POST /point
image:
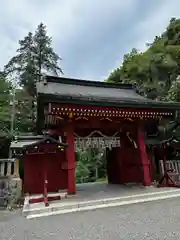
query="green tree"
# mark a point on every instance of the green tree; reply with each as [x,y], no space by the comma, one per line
[45,57]
[5,109]
[91,165]
[83,166]
[23,64]
[155,72]
[35,55]
[17,111]
[25,112]
[174,91]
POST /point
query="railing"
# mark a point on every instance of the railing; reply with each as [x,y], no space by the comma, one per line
[9,168]
[172,165]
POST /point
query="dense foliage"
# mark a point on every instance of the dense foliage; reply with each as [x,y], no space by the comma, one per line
[5,115]
[91,165]
[156,71]
[34,56]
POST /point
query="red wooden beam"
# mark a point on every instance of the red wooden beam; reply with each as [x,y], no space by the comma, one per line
[57,107]
[41,199]
[45,184]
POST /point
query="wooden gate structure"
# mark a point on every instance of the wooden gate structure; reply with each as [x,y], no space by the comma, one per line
[69,108]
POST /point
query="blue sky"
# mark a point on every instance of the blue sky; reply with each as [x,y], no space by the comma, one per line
[91,36]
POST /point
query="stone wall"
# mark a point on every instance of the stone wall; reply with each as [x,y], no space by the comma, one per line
[4,192]
[15,192]
[10,183]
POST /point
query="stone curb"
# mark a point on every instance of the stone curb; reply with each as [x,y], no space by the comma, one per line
[96,202]
[26,207]
[103,203]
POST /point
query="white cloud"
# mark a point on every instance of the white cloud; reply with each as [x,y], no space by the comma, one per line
[90,36]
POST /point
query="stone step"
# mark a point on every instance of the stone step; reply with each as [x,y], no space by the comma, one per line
[68,207]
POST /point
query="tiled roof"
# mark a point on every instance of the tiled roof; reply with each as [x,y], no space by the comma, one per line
[89,90]
[94,91]
[25,142]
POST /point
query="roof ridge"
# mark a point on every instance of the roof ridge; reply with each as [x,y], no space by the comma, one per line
[79,82]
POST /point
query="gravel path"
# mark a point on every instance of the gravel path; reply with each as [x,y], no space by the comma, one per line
[149,221]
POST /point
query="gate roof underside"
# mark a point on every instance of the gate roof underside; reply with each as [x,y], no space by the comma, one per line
[66,90]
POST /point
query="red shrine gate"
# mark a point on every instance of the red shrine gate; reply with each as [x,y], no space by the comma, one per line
[76,108]
[126,162]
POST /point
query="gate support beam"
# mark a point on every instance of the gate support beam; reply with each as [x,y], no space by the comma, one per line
[70,156]
[143,157]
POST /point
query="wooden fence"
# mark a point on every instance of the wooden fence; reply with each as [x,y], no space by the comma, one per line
[172,165]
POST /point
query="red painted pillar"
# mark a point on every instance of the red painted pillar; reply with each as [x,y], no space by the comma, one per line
[143,157]
[45,183]
[70,156]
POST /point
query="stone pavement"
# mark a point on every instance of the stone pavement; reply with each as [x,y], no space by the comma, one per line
[157,220]
[95,196]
